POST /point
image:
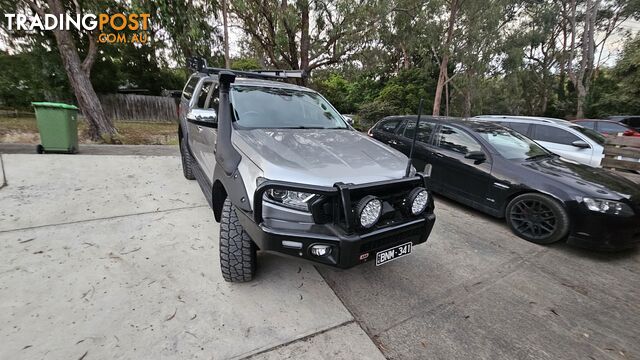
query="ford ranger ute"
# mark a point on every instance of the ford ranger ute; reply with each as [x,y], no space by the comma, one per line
[284,172]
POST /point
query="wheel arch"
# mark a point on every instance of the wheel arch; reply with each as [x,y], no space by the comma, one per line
[515,194]
[219,195]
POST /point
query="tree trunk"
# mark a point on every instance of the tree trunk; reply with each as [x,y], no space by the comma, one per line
[78,72]
[225,26]
[444,62]
[305,41]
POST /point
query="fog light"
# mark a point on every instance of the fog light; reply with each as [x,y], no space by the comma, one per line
[369,210]
[320,250]
[418,200]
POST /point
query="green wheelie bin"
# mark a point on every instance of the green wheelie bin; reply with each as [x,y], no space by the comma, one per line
[58,126]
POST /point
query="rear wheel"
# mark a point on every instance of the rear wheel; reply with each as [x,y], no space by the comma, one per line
[187,160]
[238,260]
[537,218]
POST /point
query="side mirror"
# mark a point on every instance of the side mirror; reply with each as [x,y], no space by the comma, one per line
[203,115]
[580,144]
[348,120]
[177,94]
[478,156]
[628,133]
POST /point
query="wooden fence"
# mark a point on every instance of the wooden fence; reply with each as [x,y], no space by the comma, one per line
[622,153]
[132,107]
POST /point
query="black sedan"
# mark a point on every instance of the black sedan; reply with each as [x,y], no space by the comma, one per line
[496,170]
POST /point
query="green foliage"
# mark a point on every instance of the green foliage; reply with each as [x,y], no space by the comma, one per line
[244,63]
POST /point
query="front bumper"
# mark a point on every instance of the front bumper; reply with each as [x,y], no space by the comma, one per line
[350,245]
[603,232]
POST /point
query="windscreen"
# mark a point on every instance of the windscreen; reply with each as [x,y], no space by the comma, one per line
[269,107]
[511,144]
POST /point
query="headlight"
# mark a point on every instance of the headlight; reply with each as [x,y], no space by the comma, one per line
[607,206]
[293,199]
[369,210]
[418,200]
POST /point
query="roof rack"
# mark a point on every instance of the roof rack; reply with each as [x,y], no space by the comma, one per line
[200,65]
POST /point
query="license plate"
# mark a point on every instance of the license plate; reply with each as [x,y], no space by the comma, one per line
[393,253]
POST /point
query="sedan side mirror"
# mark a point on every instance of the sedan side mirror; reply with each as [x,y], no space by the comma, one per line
[478,156]
[629,133]
[581,144]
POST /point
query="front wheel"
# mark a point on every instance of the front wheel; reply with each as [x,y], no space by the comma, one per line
[238,258]
[537,218]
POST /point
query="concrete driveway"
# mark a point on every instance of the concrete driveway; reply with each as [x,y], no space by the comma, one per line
[116,257]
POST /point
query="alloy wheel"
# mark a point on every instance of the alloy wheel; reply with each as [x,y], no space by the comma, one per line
[533,219]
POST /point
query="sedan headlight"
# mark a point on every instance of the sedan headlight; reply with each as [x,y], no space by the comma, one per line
[293,199]
[607,206]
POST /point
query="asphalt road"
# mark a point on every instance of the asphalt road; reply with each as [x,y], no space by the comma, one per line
[475,291]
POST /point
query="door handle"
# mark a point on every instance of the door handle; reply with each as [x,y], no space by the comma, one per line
[199,128]
[393,142]
[438,154]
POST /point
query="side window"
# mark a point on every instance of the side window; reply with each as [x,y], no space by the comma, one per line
[522,128]
[187,92]
[389,126]
[588,124]
[634,122]
[610,128]
[204,93]
[452,139]
[424,133]
[214,99]
[553,135]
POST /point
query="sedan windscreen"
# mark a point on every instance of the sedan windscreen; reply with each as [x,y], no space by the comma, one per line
[511,144]
[268,107]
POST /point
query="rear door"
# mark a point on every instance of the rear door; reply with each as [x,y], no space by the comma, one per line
[424,151]
[559,141]
[463,179]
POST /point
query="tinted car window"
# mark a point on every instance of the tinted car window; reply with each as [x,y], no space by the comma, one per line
[424,133]
[522,128]
[389,126]
[511,144]
[453,139]
[610,128]
[204,92]
[588,124]
[633,122]
[188,89]
[553,135]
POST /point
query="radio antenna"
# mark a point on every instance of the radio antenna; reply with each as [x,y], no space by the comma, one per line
[415,135]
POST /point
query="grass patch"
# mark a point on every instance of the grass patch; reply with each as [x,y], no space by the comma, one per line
[25,130]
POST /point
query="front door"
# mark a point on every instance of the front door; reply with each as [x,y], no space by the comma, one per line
[463,179]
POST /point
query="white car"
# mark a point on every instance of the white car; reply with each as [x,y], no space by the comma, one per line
[564,138]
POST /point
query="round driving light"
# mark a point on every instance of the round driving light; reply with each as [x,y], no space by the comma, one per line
[369,210]
[419,198]
[320,250]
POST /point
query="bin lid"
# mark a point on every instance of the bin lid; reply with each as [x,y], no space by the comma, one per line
[54,105]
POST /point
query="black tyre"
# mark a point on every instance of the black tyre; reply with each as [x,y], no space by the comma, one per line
[187,160]
[537,218]
[40,149]
[238,258]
